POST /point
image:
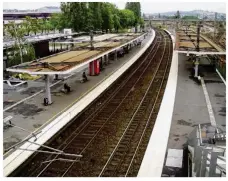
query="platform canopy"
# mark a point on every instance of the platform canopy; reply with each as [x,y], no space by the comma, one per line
[68,61]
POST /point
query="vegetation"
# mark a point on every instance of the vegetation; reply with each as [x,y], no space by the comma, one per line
[190,18]
[84,16]
[25,76]
[178,15]
[22,51]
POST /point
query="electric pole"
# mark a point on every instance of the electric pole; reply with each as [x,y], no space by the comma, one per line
[215,24]
[91,40]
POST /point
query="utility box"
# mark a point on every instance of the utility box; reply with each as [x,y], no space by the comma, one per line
[97,67]
[94,68]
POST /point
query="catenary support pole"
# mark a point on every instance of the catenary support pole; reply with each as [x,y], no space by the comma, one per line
[48,89]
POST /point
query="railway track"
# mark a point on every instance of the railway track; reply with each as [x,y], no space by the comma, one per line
[113,132]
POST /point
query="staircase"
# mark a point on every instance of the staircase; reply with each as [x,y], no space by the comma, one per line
[207,152]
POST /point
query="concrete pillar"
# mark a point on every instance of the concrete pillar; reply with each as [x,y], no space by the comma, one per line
[47,87]
[115,56]
[196,67]
[107,59]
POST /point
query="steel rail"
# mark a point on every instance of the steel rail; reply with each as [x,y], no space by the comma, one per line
[86,122]
[112,112]
[135,113]
[149,116]
[103,106]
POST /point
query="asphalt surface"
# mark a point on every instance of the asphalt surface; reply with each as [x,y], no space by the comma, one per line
[32,114]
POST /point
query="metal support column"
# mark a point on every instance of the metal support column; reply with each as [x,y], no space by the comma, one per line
[107,59]
[47,87]
[197,49]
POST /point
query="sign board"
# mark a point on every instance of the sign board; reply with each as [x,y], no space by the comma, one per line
[67,31]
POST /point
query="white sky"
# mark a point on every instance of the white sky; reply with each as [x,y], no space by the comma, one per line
[147,6]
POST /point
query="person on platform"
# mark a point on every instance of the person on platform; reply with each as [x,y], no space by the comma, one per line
[67,87]
[84,77]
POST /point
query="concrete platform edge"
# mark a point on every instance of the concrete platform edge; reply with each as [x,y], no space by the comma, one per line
[152,164]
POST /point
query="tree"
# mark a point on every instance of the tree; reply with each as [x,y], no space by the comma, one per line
[22,50]
[84,16]
[107,21]
[95,10]
[127,18]
[141,23]
[42,25]
[27,24]
[136,8]
[35,26]
[190,18]
[178,15]
[116,22]
[58,21]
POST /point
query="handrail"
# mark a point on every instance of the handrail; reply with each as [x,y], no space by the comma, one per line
[222,158]
[221,168]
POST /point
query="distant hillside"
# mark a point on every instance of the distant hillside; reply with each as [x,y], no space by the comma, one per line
[197,13]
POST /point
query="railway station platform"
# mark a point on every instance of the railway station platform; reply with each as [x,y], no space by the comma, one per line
[185,105]
[33,116]
[192,107]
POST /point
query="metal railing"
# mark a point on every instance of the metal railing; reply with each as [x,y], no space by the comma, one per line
[207,160]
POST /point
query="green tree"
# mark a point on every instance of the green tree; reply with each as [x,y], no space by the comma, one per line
[107,21]
[127,18]
[178,14]
[35,26]
[95,14]
[141,23]
[116,22]
[42,25]
[58,21]
[22,50]
[27,24]
[136,8]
